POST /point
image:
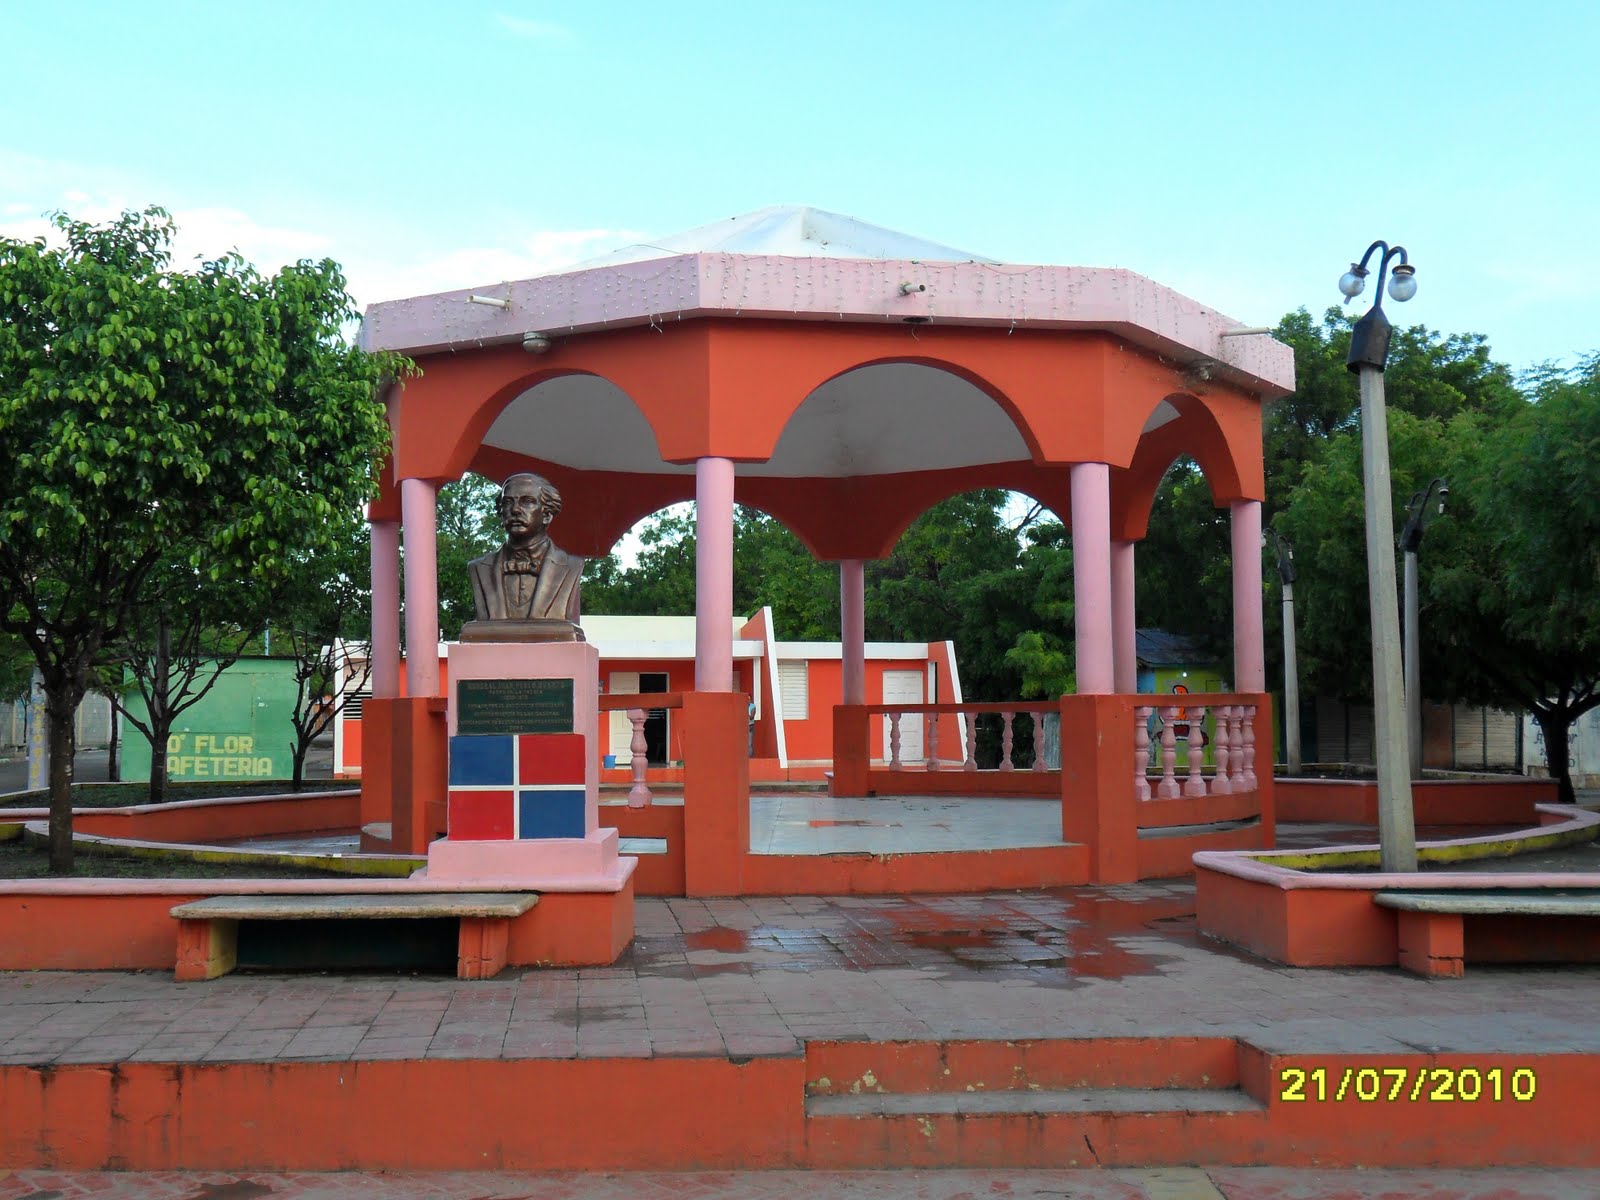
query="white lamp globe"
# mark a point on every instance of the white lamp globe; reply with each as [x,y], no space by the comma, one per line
[1403,283]
[1352,282]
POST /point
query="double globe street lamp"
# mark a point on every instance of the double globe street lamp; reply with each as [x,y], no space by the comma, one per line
[1369,354]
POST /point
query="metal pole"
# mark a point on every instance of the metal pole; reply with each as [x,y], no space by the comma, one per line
[1413,668]
[1291,685]
[1397,833]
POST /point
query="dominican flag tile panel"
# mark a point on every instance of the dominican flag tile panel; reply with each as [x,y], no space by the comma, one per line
[517,786]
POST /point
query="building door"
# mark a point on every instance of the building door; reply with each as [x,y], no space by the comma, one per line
[655,720]
[904,687]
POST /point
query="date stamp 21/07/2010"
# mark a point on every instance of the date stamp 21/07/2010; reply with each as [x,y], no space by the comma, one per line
[1380,1085]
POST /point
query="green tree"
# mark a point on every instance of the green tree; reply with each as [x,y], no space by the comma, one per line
[1510,607]
[185,632]
[145,410]
[468,527]
[324,621]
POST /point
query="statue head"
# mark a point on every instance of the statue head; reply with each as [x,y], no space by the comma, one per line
[527,505]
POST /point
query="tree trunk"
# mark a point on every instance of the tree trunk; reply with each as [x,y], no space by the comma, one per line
[1554,723]
[113,751]
[160,717]
[301,746]
[62,709]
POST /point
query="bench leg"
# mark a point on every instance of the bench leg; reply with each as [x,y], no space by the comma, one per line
[1431,944]
[481,947]
[206,949]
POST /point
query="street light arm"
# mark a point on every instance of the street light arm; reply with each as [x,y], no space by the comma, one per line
[1410,539]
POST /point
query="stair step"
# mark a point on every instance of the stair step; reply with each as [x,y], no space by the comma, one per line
[961,1067]
[1059,1100]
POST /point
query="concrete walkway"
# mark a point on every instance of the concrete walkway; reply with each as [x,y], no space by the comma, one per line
[760,976]
[1215,1183]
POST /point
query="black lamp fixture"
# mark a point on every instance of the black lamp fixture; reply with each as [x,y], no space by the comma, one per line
[1369,340]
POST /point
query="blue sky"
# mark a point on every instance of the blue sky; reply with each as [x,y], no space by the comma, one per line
[1239,152]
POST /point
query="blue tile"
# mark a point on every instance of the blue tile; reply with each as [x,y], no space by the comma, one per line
[482,761]
[557,813]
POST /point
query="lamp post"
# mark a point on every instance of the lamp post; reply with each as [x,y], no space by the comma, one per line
[1291,674]
[1410,543]
[1369,354]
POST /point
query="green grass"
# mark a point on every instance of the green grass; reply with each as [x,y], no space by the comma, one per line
[127,795]
[18,861]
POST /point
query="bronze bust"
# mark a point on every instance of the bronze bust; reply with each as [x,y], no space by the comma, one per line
[528,589]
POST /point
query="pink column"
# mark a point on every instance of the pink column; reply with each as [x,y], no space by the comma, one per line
[385,609]
[1124,645]
[853,629]
[713,575]
[1091,575]
[1249,653]
[419,518]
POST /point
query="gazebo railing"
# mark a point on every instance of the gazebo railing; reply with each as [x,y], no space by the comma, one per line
[1220,728]
[638,705]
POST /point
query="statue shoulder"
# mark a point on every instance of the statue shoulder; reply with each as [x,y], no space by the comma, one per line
[484,560]
[558,557]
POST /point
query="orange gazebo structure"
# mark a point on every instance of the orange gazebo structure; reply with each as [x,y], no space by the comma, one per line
[841,378]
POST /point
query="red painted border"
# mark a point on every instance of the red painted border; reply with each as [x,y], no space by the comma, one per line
[618,1114]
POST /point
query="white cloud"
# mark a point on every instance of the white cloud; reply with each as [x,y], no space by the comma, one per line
[378,266]
[374,278]
[539,31]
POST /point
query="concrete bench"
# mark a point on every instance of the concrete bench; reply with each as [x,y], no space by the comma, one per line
[1431,924]
[208,930]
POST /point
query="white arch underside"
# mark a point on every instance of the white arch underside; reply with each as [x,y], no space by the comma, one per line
[876,420]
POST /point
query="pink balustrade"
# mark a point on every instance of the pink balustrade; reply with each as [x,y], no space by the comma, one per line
[1231,740]
[637,706]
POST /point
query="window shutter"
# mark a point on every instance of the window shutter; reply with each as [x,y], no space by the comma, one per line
[792,683]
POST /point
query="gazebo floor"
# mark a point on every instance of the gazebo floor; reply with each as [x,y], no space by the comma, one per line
[809,823]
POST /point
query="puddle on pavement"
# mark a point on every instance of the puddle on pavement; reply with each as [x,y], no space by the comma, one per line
[1054,938]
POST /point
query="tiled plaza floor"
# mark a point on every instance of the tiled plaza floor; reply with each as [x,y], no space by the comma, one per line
[1249,1183]
[761,976]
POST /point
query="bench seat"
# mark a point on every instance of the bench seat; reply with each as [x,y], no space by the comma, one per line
[1431,923]
[208,930]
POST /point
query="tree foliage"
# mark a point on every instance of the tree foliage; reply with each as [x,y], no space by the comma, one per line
[146,411]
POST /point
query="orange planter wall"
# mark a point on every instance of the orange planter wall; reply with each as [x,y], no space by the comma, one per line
[1508,801]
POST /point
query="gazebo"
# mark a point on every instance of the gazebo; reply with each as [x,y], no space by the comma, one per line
[842,378]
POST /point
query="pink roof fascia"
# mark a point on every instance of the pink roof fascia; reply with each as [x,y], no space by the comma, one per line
[837,289]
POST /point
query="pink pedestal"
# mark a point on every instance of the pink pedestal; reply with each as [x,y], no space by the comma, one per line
[589,863]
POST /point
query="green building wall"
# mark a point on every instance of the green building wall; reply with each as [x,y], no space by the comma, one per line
[242,729]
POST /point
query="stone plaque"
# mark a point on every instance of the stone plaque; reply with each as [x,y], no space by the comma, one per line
[514,706]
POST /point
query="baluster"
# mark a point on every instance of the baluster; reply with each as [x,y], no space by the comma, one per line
[1038,742]
[1005,742]
[1220,783]
[1250,780]
[972,743]
[1194,784]
[1236,740]
[1141,752]
[1167,789]
[932,724]
[894,741]
[639,793]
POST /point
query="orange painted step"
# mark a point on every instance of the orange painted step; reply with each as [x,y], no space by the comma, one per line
[854,1068]
[1059,1128]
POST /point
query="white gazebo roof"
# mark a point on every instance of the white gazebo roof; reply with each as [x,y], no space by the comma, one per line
[788,231]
